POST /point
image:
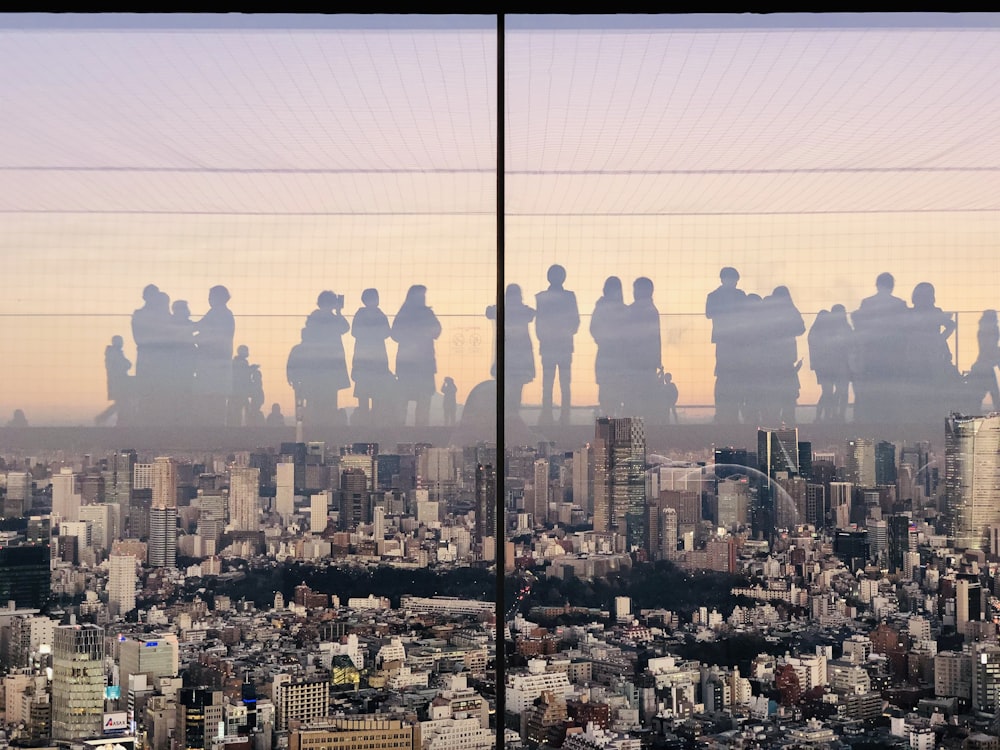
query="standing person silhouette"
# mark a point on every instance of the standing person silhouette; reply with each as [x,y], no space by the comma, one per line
[829,344]
[643,354]
[557,319]
[780,324]
[928,358]
[450,401]
[415,328]
[983,377]
[373,382]
[239,401]
[152,333]
[304,372]
[879,327]
[519,357]
[214,366]
[607,324]
[723,307]
[116,366]
[182,360]
[329,324]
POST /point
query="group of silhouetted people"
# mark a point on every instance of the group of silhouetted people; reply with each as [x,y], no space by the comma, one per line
[185,371]
[756,355]
[628,364]
[895,355]
[317,367]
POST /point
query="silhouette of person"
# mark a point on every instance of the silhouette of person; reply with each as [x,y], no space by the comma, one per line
[519,355]
[491,315]
[749,360]
[183,359]
[450,404]
[780,323]
[723,307]
[18,420]
[829,344]
[214,367]
[116,367]
[670,396]
[255,416]
[929,361]
[643,354]
[879,326]
[415,328]
[982,377]
[330,325]
[275,418]
[239,401]
[373,381]
[304,373]
[607,325]
[152,333]
[557,319]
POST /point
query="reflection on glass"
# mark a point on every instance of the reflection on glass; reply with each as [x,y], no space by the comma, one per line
[267,513]
[769,495]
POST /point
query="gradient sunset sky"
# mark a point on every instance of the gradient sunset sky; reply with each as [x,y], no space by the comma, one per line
[285,155]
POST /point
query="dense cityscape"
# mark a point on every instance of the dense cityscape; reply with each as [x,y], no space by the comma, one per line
[781,594]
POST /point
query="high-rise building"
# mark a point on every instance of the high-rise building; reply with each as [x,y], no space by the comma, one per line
[162,550]
[244,487]
[540,511]
[122,579]
[284,496]
[154,655]
[25,574]
[583,480]
[142,476]
[319,511]
[66,500]
[199,713]
[986,677]
[619,478]
[164,483]
[861,462]
[733,502]
[77,681]
[885,463]
[778,451]
[899,541]
[777,457]
[972,478]
[103,519]
[840,504]
[17,502]
[486,504]
[355,500]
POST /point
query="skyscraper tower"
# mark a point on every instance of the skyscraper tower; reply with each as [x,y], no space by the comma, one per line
[861,462]
[162,550]
[486,504]
[777,457]
[244,485]
[66,499]
[77,681]
[540,512]
[118,480]
[121,583]
[972,478]
[284,497]
[620,478]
